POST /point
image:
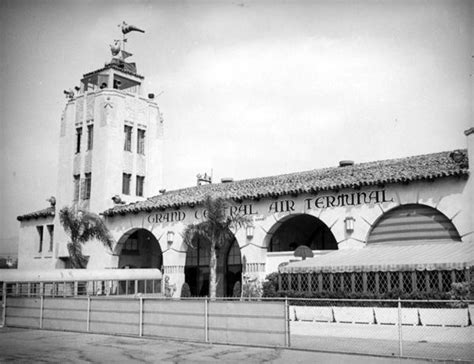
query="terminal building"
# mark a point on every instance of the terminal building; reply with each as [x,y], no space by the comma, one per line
[399,216]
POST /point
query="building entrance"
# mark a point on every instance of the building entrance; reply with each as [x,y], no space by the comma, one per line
[298,230]
[228,272]
[139,248]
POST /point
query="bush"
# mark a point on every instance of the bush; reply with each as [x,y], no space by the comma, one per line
[270,285]
[237,290]
[185,290]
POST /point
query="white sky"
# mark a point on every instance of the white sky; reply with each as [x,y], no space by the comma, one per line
[250,88]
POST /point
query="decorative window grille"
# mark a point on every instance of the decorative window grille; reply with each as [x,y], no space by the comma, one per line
[126,178]
[383,282]
[395,280]
[459,276]
[314,282]
[127,130]
[371,287]
[139,185]
[284,282]
[326,283]
[407,282]
[336,283]
[304,282]
[421,281]
[347,278]
[358,282]
[446,281]
[294,282]
[140,141]
[434,280]
[40,238]
[78,139]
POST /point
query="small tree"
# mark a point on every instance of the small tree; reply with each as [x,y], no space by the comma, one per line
[185,290]
[216,229]
[237,291]
[82,226]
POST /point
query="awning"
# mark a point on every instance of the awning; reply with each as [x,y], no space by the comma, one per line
[72,275]
[390,257]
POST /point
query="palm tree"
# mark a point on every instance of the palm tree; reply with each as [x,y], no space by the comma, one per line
[216,229]
[82,226]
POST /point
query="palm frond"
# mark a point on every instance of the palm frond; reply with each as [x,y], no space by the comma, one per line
[94,227]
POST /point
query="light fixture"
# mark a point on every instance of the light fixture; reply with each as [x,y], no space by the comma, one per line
[170,237]
[249,230]
[349,221]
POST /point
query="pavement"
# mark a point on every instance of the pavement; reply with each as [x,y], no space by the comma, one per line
[450,343]
[44,346]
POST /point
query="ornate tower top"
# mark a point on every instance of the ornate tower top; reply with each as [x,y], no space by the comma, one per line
[118,73]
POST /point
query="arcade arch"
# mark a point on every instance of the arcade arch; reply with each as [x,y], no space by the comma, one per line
[413,223]
[302,229]
[229,267]
[138,248]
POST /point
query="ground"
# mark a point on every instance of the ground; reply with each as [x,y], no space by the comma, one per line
[41,346]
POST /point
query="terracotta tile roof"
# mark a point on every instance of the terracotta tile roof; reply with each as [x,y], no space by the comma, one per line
[403,170]
[49,211]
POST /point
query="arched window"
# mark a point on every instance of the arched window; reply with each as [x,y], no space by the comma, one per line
[413,223]
[139,248]
[302,230]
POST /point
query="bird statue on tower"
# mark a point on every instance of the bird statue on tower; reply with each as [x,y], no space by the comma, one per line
[118,47]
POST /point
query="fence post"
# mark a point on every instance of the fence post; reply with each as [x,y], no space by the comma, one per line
[4,303]
[140,331]
[287,324]
[41,312]
[400,339]
[88,314]
[206,320]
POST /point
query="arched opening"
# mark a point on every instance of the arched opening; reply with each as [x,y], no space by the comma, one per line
[301,230]
[139,248]
[412,223]
[229,267]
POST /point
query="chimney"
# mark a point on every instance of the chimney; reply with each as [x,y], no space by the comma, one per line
[346,163]
[227,180]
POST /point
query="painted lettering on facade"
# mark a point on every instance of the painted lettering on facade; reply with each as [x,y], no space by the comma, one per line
[232,210]
[347,199]
[171,216]
[282,206]
[321,202]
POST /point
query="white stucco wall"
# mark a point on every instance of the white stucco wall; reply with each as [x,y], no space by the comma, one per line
[448,195]
[30,258]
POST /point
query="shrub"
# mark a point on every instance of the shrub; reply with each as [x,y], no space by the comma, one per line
[185,290]
[270,285]
[237,290]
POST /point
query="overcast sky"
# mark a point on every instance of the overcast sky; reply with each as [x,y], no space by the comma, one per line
[248,88]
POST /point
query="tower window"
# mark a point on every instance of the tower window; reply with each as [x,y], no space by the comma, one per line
[139,185]
[51,236]
[78,139]
[127,130]
[40,238]
[90,137]
[76,187]
[141,141]
[126,178]
[86,191]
